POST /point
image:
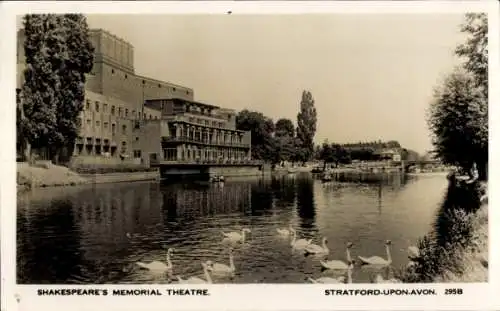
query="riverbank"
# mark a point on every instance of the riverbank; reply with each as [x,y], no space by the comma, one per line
[457,251]
[49,175]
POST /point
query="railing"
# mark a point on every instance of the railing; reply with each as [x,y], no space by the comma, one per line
[207,161]
[199,141]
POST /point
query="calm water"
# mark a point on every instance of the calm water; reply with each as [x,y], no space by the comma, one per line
[79,235]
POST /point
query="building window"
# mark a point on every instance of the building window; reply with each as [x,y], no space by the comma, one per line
[97,106]
[126,112]
[126,76]
[137,154]
[113,129]
[214,124]
[173,89]
[88,105]
[120,111]
[105,125]
[159,85]
[133,113]
[149,117]
[105,108]
[89,121]
[198,121]
[139,115]
[187,92]
[136,138]
[113,110]
[112,71]
[97,123]
[124,129]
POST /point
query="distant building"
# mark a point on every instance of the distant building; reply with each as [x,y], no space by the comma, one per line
[390,154]
[115,122]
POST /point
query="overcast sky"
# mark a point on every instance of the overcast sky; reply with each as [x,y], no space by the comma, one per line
[371,76]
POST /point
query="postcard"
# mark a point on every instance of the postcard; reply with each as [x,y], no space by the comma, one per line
[249,155]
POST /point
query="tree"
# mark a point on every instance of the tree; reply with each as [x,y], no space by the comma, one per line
[37,119]
[284,127]
[78,62]
[458,116]
[475,50]
[306,125]
[262,129]
[58,55]
[459,121]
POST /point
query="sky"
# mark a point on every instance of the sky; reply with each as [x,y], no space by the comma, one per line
[372,76]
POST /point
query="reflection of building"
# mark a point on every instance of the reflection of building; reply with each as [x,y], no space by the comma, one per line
[190,131]
[115,121]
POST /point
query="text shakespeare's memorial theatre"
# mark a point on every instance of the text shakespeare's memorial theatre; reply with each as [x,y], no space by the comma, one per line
[128,118]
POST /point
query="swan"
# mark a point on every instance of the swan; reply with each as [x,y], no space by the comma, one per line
[220,268]
[235,236]
[380,279]
[339,264]
[299,244]
[197,280]
[158,266]
[376,260]
[331,280]
[285,232]
[316,249]
[413,252]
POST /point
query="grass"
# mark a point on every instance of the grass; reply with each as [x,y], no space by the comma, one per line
[29,176]
[457,250]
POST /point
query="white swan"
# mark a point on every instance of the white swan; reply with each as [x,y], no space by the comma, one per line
[316,249]
[339,264]
[413,252]
[158,266]
[376,260]
[197,280]
[220,268]
[299,244]
[331,280]
[380,279]
[235,236]
[285,232]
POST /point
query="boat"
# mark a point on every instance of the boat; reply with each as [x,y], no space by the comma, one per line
[326,177]
[317,170]
[217,178]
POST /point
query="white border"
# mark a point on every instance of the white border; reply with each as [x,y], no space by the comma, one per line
[241,297]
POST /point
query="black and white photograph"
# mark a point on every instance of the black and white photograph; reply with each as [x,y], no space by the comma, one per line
[235,148]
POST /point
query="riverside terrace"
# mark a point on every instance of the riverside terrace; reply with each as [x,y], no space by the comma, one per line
[197,138]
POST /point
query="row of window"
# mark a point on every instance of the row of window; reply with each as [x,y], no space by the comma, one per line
[206,122]
[120,111]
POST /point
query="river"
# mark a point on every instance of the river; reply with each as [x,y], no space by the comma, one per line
[96,234]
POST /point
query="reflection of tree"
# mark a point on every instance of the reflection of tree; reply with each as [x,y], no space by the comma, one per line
[49,246]
[261,198]
[283,190]
[305,203]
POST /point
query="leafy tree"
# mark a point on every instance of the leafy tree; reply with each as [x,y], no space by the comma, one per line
[459,121]
[306,125]
[458,117]
[284,148]
[475,49]
[37,119]
[58,55]
[262,129]
[78,62]
[284,127]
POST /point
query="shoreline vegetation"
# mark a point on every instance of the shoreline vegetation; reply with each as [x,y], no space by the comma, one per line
[457,249]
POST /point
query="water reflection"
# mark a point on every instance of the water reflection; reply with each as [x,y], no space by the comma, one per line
[97,234]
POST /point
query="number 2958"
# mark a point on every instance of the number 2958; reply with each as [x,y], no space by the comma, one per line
[453,291]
